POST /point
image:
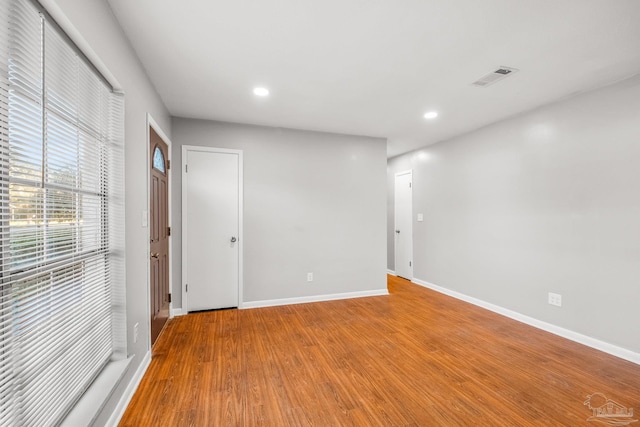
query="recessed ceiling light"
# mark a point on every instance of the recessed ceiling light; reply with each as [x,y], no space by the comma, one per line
[431,115]
[261,91]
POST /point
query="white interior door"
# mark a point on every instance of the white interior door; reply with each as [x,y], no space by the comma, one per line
[211,227]
[404,225]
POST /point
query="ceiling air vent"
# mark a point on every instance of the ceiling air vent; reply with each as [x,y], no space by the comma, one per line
[494,76]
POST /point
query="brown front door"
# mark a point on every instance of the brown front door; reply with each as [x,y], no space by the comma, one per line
[159,223]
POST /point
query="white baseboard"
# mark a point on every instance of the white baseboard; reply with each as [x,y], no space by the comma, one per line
[391,272]
[118,412]
[606,347]
[314,298]
[177,312]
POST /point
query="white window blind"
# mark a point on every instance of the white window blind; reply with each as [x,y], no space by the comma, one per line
[61,215]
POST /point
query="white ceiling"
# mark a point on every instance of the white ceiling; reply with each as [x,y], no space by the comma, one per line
[374,67]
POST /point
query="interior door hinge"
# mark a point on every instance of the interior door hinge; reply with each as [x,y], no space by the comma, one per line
[168,297]
[168,231]
[186,287]
[168,164]
[409,263]
[186,168]
[409,185]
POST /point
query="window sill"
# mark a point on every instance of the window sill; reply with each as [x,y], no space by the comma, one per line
[92,401]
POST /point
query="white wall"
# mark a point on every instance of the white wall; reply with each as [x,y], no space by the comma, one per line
[313,202]
[97,25]
[548,201]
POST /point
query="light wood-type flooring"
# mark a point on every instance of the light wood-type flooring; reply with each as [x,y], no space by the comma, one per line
[413,358]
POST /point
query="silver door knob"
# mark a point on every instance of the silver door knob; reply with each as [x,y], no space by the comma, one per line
[233,240]
[398,231]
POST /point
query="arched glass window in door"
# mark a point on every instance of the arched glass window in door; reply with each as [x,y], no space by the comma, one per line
[158,159]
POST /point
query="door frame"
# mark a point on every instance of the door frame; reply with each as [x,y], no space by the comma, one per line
[151,123]
[196,148]
[395,224]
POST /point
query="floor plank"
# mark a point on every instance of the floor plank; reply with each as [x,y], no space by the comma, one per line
[413,358]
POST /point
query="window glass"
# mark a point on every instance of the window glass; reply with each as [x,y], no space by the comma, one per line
[158,159]
[61,160]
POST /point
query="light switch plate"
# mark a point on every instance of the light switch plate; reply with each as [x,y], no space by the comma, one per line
[145,218]
[420,218]
[135,333]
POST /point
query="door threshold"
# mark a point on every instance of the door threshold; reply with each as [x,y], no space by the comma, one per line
[213,309]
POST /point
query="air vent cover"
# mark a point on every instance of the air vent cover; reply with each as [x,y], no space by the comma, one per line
[494,76]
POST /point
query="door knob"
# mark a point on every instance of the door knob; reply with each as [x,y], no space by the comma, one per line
[233,240]
[398,231]
[156,255]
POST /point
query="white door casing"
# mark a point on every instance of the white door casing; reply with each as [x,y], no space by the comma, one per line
[403,231]
[212,227]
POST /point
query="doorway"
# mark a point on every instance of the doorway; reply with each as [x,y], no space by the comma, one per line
[403,210]
[212,227]
[159,231]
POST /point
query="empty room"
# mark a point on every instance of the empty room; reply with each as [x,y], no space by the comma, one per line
[319,213]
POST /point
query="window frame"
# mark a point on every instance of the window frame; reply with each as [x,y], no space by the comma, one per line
[106,253]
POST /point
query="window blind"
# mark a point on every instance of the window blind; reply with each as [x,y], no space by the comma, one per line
[60,205]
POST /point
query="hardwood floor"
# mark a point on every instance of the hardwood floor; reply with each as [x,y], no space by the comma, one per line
[413,358]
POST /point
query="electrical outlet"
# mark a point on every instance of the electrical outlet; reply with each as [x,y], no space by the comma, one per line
[135,333]
[555,299]
[309,277]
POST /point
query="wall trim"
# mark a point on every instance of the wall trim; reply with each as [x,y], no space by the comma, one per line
[314,298]
[126,397]
[605,347]
[391,272]
[177,312]
[53,9]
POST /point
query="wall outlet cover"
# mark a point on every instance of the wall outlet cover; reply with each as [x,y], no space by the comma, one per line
[555,299]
